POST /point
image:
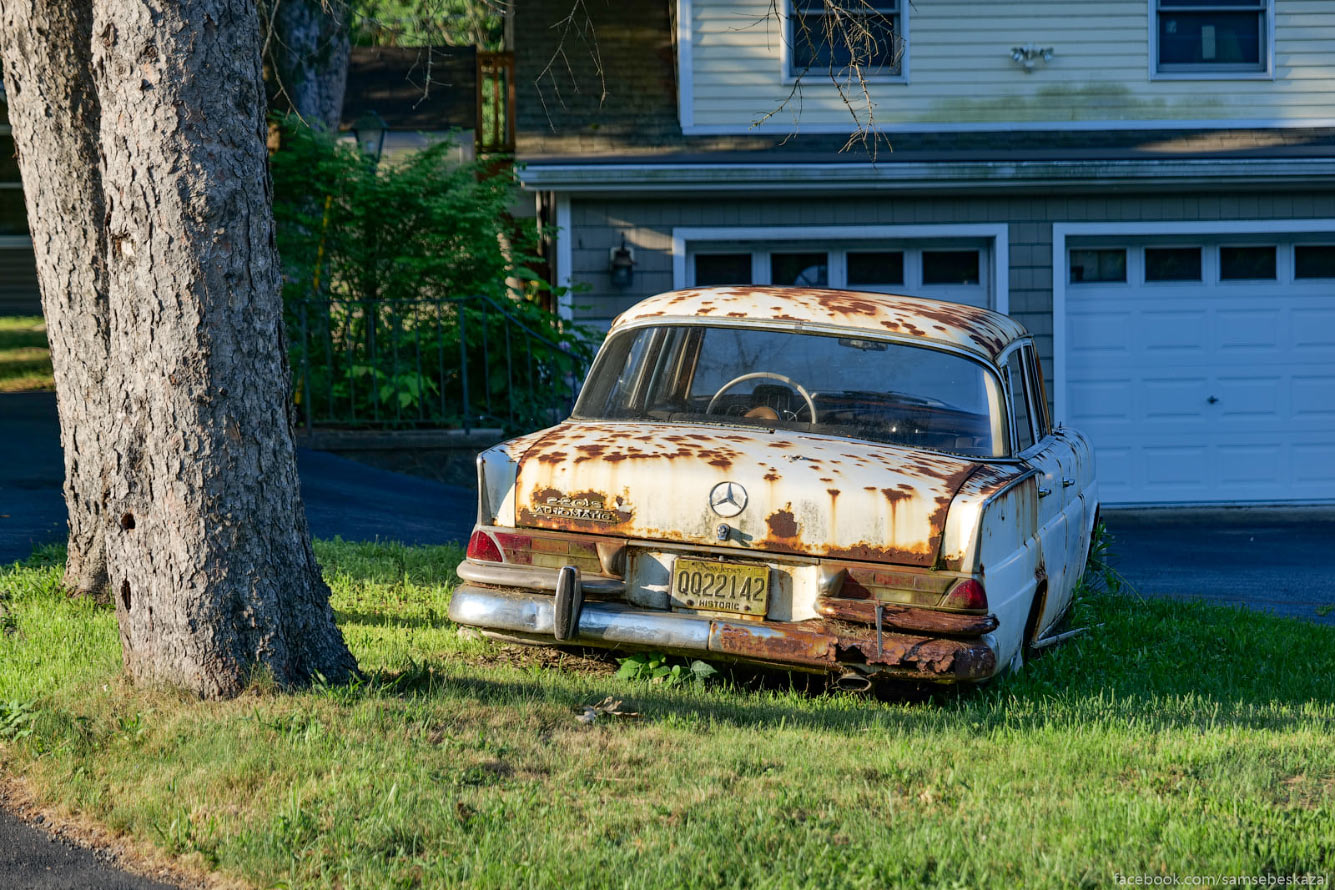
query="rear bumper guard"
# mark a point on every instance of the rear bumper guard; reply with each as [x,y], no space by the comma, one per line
[809,644]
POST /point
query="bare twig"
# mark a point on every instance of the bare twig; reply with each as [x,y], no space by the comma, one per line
[579,24]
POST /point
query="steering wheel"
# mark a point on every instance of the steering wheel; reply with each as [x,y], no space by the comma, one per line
[755,375]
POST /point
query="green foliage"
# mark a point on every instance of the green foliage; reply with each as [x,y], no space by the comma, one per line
[389,266]
[653,667]
[16,718]
[415,226]
[429,23]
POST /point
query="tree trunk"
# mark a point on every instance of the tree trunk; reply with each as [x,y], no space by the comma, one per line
[53,111]
[209,555]
[308,47]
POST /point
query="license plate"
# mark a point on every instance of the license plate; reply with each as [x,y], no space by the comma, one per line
[720,587]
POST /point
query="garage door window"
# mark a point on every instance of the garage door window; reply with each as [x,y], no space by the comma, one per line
[955,270]
[1314,261]
[950,267]
[875,268]
[722,268]
[1247,263]
[800,269]
[1098,265]
[1172,264]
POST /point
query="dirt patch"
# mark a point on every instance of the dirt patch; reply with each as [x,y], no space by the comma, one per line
[111,851]
[596,662]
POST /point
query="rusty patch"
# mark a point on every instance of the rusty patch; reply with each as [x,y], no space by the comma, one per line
[781,523]
[967,326]
[832,644]
[863,611]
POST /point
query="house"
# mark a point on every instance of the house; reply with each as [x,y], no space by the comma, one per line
[1147,185]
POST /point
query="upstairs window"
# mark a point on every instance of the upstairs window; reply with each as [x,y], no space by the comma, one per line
[845,35]
[1212,36]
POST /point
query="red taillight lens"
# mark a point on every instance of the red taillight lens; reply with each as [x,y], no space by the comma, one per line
[481,546]
[966,595]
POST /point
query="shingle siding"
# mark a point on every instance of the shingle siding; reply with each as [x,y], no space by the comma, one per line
[598,224]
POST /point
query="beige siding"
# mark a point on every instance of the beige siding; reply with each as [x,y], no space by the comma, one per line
[960,70]
[598,224]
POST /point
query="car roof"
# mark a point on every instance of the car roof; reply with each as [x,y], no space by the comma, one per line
[980,331]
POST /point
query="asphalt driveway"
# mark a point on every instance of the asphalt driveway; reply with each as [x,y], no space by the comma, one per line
[343,498]
[1277,559]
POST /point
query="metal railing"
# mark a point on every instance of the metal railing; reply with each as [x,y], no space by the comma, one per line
[405,363]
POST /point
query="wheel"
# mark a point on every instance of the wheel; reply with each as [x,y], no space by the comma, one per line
[756,375]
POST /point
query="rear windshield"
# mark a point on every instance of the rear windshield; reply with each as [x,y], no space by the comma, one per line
[843,386]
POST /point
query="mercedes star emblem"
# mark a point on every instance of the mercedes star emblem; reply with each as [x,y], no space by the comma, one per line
[727,499]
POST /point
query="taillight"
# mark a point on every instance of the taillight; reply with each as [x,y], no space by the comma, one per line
[482,547]
[968,594]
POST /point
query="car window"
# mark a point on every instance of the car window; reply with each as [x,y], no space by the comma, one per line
[1017,384]
[851,386]
[1038,394]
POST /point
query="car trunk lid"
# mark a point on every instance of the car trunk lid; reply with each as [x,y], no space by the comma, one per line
[807,494]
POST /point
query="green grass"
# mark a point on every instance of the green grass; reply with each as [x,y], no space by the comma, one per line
[1172,739]
[25,360]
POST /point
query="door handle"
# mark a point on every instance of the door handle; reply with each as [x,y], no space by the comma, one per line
[1067,483]
[1044,492]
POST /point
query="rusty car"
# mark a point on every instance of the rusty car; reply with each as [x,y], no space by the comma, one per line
[858,484]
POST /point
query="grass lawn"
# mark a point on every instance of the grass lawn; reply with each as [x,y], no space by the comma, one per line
[1173,739]
[25,361]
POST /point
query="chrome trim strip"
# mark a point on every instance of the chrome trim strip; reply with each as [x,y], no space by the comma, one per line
[533,577]
[599,623]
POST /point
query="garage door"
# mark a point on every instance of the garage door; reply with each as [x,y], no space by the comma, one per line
[1205,372]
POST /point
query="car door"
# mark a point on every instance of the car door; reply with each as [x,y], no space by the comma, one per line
[1041,451]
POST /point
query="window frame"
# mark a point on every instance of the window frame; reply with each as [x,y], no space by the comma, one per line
[985,292]
[1207,71]
[787,53]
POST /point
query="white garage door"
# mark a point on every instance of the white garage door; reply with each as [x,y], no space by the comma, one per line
[1205,372]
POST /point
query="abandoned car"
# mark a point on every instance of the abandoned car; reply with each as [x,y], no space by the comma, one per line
[853,483]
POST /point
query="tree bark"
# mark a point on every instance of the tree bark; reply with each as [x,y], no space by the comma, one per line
[54,115]
[307,43]
[208,550]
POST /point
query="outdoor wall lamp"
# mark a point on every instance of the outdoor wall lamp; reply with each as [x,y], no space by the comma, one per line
[621,264]
[369,131]
[1028,56]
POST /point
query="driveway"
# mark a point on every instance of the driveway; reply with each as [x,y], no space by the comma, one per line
[1277,559]
[343,498]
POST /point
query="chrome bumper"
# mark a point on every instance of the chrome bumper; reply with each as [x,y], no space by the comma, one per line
[806,645]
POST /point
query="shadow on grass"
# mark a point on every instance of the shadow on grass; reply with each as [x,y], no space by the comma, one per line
[345,618]
[1145,666]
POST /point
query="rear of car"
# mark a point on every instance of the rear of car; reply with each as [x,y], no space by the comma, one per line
[783,492]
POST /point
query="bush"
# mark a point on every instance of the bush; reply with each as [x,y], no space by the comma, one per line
[387,266]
